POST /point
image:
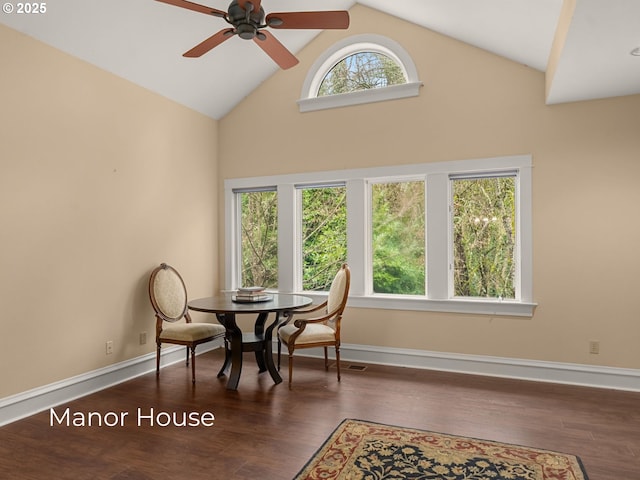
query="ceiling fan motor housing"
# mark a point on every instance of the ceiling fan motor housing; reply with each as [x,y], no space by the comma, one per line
[246,25]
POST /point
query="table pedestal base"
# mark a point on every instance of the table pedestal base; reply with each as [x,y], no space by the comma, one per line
[260,342]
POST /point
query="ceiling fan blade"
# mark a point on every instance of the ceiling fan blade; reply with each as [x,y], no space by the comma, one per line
[278,52]
[255,3]
[195,7]
[336,19]
[209,43]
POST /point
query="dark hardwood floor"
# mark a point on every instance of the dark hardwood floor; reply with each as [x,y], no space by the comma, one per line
[267,432]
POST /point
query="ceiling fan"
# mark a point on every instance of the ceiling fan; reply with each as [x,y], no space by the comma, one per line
[249,22]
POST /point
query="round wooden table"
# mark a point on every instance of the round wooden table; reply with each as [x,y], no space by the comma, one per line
[225,309]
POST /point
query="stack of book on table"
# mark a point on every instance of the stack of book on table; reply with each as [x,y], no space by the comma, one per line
[251,294]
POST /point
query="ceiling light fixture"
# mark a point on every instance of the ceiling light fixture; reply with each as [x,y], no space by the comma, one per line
[635,52]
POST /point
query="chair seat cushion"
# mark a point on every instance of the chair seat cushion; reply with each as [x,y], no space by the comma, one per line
[313,333]
[190,332]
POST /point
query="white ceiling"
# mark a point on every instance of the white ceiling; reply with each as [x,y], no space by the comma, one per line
[143,41]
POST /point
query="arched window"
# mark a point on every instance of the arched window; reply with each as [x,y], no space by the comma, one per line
[359,69]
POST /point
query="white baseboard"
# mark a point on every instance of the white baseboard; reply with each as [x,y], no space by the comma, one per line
[540,371]
[33,401]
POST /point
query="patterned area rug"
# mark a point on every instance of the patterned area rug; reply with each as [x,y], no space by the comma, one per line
[359,450]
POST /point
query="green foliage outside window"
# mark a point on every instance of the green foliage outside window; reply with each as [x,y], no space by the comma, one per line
[398,238]
[324,235]
[259,223]
[361,71]
[484,237]
[484,230]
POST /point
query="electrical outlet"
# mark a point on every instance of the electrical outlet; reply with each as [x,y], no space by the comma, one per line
[143,338]
[109,347]
[594,347]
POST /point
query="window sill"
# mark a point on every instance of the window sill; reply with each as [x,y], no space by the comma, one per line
[471,306]
[393,92]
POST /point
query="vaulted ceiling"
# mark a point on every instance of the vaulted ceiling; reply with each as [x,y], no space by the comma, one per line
[584,46]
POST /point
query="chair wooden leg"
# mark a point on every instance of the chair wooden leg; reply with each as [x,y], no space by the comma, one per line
[158,359]
[326,359]
[279,352]
[338,360]
[187,356]
[290,369]
[193,364]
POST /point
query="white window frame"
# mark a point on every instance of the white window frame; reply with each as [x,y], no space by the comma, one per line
[518,239]
[309,99]
[439,297]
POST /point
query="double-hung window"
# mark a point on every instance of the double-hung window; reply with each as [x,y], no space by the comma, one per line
[483,223]
[446,236]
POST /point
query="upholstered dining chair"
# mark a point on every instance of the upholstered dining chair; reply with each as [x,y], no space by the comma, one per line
[168,296]
[320,330]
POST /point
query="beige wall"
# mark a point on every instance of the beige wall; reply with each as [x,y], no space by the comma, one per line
[586,159]
[100,180]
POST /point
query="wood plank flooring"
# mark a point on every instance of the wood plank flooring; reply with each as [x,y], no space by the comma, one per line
[267,432]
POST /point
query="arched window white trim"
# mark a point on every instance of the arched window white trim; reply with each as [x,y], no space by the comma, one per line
[309,100]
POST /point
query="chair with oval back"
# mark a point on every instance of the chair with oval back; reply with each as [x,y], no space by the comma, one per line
[319,331]
[168,296]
